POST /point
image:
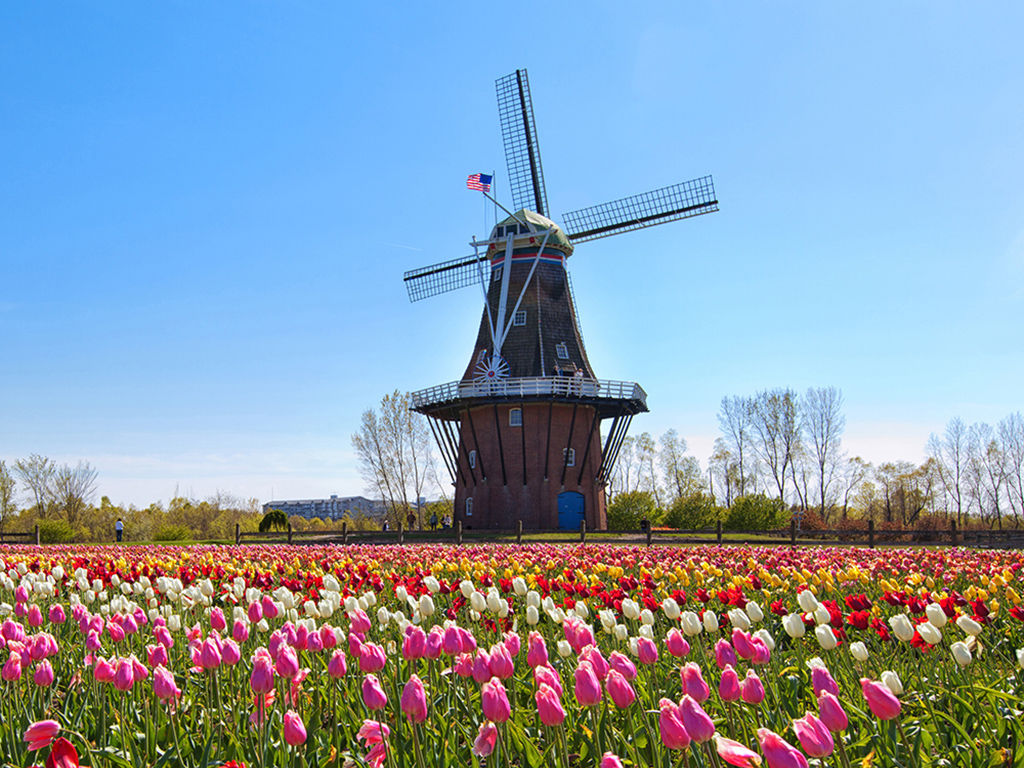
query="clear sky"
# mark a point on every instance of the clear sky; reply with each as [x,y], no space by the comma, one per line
[206,210]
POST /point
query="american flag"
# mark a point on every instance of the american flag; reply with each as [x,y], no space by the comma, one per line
[481,182]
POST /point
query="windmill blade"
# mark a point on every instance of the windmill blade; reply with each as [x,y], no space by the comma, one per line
[519,134]
[446,276]
[681,201]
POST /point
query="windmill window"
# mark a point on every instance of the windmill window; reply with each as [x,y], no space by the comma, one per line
[496,273]
[469,507]
[569,456]
[515,417]
[481,356]
[523,229]
[562,351]
[472,459]
[520,318]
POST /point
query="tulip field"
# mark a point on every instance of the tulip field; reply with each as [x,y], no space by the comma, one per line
[528,656]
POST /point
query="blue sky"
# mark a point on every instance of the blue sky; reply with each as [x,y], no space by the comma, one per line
[206,210]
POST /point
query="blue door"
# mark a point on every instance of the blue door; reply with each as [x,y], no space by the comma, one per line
[570,510]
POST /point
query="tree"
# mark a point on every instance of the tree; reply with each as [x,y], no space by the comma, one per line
[626,477]
[951,456]
[73,490]
[823,423]
[735,420]
[854,472]
[775,426]
[7,486]
[274,518]
[1011,437]
[628,509]
[647,453]
[36,474]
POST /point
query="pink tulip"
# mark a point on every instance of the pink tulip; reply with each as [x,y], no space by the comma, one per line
[12,668]
[433,648]
[821,680]
[467,639]
[482,666]
[43,676]
[501,663]
[735,753]
[693,683]
[139,671]
[373,695]
[832,713]
[93,641]
[591,654]
[814,736]
[762,653]
[374,735]
[451,643]
[536,650]
[21,594]
[35,616]
[124,677]
[486,739]
[163,636]
[548,676]
[300,641]
[262,678]
[287,664]
[313,643]
[512,642]
[463,665]
[752,689]
[619,689]
[610,760]
[414,700]
[588,687]
[269,607]
[371,658]
[328,638]
[240,631]
[676,643]
[724,654]
[495,701]
[778,752]
[337,666]
[360,622]
[210,656]
[729,685]
[646,651]
[156,654]
[741,641]
[41,734]
[294,729]
[231,654]
[255,612]
[103,671]
[698,725]
[673,733]
[164,685]
[355,643]
[56,614]
[883,702]
[549,704]
[622,663]
[414,643]
[115,631]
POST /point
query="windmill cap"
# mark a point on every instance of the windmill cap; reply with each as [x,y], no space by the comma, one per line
[557,239]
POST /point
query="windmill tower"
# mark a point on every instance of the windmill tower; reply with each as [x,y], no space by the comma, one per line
[521,432]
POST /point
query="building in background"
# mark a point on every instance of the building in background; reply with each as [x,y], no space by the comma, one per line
[333,508]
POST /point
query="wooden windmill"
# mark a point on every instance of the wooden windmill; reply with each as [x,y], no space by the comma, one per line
[520,432]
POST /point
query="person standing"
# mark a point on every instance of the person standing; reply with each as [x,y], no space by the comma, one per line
[119,529]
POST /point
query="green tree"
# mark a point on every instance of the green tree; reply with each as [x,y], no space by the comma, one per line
[756,512]
[694,510]
[629,508]
[275,518]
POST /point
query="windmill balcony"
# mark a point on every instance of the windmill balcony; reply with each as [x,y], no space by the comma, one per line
[606,394]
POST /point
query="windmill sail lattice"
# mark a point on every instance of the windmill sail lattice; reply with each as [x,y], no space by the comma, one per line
[522,150]
[447,276]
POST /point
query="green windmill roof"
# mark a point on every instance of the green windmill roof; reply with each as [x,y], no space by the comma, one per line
[557,239]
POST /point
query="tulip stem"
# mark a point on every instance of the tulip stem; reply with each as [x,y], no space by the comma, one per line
[907,744]
[842,750]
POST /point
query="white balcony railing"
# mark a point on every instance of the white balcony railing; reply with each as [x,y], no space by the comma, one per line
[534,386]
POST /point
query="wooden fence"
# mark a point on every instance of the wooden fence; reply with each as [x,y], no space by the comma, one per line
[792,536]
[23,537]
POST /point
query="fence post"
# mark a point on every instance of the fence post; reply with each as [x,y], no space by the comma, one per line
[458,532]
[37,534]
[344,531]
[583,531]
[871,534]
[519,531]
[401,533]
[289,533]
[238,534]
[792,533]
[718,532]
[952,532]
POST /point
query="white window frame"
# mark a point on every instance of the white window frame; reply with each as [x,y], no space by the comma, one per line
[469,506]
[562,351]
[496,273]
[512,412]
[481,356]
[520,318]
[472,459]
[569,457]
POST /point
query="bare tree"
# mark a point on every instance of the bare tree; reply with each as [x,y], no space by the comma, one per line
[823,423]
[7,488]
[36,474]
[671,457]
[854,473]
[951,456]
[735,418]
[627,473]
[74,489]
[776,432]
[1011,437]
[646,453]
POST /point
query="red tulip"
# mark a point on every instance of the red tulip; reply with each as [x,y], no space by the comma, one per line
[62,755]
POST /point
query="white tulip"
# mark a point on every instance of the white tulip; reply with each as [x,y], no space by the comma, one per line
[401,593]
[901,627]
[502,610]
[474,615]
[478,602]
[325,607]
[564,649]
[115,581]
[533,598]
[1020,658]
[968,625]
[670,608]
[646,630]
[690,622]
[432,584]
[929,633]
[621,632]
[58,573]
[174,622]
[826,637]
[557,615]
[892,682]
[754,612]
[821,615]
[710,621]
[766,638]
[426,605]
[532,615]
[739,619]
[383,616]
[519,586]
[467,588]
[646,617]
[808,602]
[493,600]
[815,661]
[634,646]
[936,615]
[548,604]
[630,609]
[310,609]
[581,610]
[794,625]
[369,599]
[961,653]
[351,603]
[607,617]
[206,587]
[859,651]
[97,585]
[263,625]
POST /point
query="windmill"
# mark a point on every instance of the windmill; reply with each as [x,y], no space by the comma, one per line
[520,432]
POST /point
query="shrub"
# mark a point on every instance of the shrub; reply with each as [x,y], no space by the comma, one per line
[172,533]
[756,512]
[693,511]
[628,509]
[55,531]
